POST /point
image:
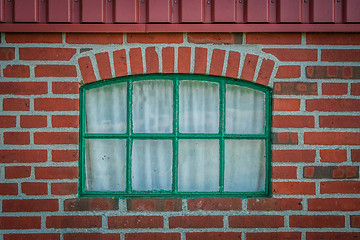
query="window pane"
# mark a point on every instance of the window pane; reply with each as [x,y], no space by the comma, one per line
[152,106]
[106,109]
[244,165]
[151,165]
[105,163]
[198,165]
[245,110]
[198,107]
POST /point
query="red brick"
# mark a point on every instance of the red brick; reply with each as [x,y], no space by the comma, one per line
[17,138]
[249,67]
[8,189]
[213,235]
[64,188]
[256,221]
[152,60]
[293,155]
[168,60]
[34,188]
[286,104]
[33,121]
[55,71]
[232,69]
[355,221]
[328,221]
[273,38]
[294,188]
[136,62]
[285,138]
[154,37]
[23,88]
[20,222]
[332,138]
[274,236]
[91,204]
[340,187]
[33,236]
[56,104]
[7,121]
[334,88]
[332,235]
[265,72]
[334,204]
[274,204]
[73,221]
[200,60]
[215,38]
[65,87]
[332,155]
[92,236]
[16,71]
[33,37]
[215,204]
[136,222]
[184,55]
[67,121]
[103,63]
[87,70]
[217,62]
[7,53]
[333,105]
[30,205]
[65,155]
[17,172]
[94,38]
[46,54]
[56,172]
[16,104]
[340,55]
[120,65]
[298,55]
[56,138]
[293,121]
[196,222]
[355,89]
[289,71]
[284,172]
[154,204]
[355,155]
[333,38]
[152,236]
[295,88]
[332,72]
[335,172]
[338,121]
[22,156]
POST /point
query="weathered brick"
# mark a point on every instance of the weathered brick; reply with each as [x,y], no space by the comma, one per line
[333,38]
[168,59]
[33,236]
[16,71]
[284,172]
[332,235]
[30,205]
[136,62]
[274,236]
[332,138]
[154,37]
[21,37]
[217,62]
[46,54]
[65,155]
[338,121]
[136,222]
[152,236]
[56,104]
[355,155]
[249,67]
[34,188]
[23,156]
[328,221]
[91,204]
[340,187]
[17,138]
[56,138]
[295,88]
[340,55]
[200,60]
[196,222]
[293,155]
[73,222]
[332,155]
[355,89]
[7,53]
[298,55]
[293,121]
[154,204]
[333,105]
[65,87]
[7,121]
[215,38]
[33,121]
[87,70]
[334,204]
[256,221]
[23,88]
[16,104]
[288,71]
[214,204]
[184,55]
[335,172]
[285,138]
[94,38]
[17,172]
[334,88]
[103,63]
[265,72]
[213,235]
[293,188]
[92,236]
[273,38]
[65,121]
[232,69]
[56,172]
[355,221]
[152,60]
[274,204]
[120,65]
[330,72]
[55,71]
[67,188]
[8,189]
[20,222]
[286,104]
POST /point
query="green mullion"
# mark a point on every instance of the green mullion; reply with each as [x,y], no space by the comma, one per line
[105,135]
[222,133]
[245,136]
[129,133]
[82,142]
[268,141]
[176,133]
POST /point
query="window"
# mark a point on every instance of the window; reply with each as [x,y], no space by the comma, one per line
[175,135]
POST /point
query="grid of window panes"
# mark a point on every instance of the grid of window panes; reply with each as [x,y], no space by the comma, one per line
[175,135]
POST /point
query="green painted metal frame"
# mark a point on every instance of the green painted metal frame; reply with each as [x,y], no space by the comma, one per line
[129,136]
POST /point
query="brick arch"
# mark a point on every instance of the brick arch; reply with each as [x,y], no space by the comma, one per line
[254,67]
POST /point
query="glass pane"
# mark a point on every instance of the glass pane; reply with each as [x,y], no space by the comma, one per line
[151,165]
[198,107]
[105,164]
[245,110]
[198,165]
[106,109]
[152,106]
[244,165]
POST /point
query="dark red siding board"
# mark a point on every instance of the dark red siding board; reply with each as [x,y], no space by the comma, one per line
[192,11]
[2,10]
[59,11]
[159,11]
[93,11]
[224,11]
[352,10]
[126,11]
[258,11]
[26,11]
[323,11]
[290,11]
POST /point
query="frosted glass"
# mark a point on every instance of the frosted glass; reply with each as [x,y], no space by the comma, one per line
[151,165]
[198,165]
[106,109]
[152,107]
[198,107]
[105,164]
[245,110]
[244,165]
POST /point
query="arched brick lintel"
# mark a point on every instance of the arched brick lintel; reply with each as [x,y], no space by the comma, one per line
[199,60]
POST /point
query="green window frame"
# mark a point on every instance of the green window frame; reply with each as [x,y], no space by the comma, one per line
[129,136]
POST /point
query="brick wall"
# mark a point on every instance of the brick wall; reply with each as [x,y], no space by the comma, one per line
[316,138]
